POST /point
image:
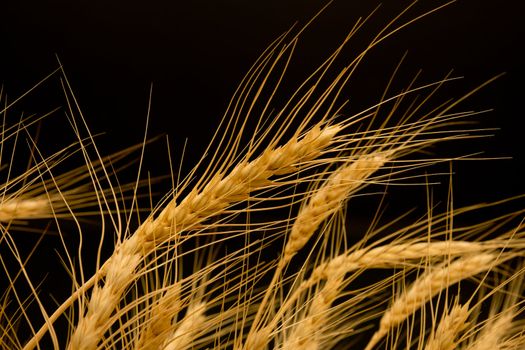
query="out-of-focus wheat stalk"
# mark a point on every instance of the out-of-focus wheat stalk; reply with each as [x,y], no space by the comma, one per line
[251,249]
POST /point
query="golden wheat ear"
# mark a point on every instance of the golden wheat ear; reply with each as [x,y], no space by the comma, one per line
[499,322]
[47,189]
[40,194]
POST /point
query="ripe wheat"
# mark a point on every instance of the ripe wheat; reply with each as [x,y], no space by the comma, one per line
[251,250]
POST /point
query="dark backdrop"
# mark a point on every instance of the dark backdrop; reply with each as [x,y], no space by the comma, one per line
[195,52]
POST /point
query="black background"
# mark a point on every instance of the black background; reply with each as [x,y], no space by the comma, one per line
[194,53]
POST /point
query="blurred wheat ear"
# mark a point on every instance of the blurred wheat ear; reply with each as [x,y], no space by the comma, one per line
[252,248]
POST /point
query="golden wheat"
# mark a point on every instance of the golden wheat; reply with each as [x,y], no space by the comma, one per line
[429,285]
[450,326]
[251,250]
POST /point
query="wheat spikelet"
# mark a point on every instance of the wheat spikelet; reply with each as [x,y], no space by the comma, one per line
[305,334]
[329,197]
[448,329]
[103,300]
[159,321]
[18,208]
[391,255]
[494,333]
[187,328]
[44,207]
[257,340]
[427,286]
[503,328]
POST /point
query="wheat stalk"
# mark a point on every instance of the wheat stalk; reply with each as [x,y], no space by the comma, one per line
[222,191]
[237,308]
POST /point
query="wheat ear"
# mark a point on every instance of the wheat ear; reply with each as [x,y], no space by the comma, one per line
[305,334]
[216,196]
[427,286]
[25,208]
[387,256]
[494,332]
[247,176]
[103,300]
[392,255]
[327,200]
[450,326]
[321,205]
[160,317]
[187,329]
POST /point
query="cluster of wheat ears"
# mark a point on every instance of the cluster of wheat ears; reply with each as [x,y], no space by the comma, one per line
[252,249]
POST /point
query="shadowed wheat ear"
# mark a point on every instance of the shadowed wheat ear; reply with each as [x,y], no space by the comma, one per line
[305,334]
[160,318]
[185,332]
[450,326]
[495,332]
[504,327]
[502,332]
[158,322]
